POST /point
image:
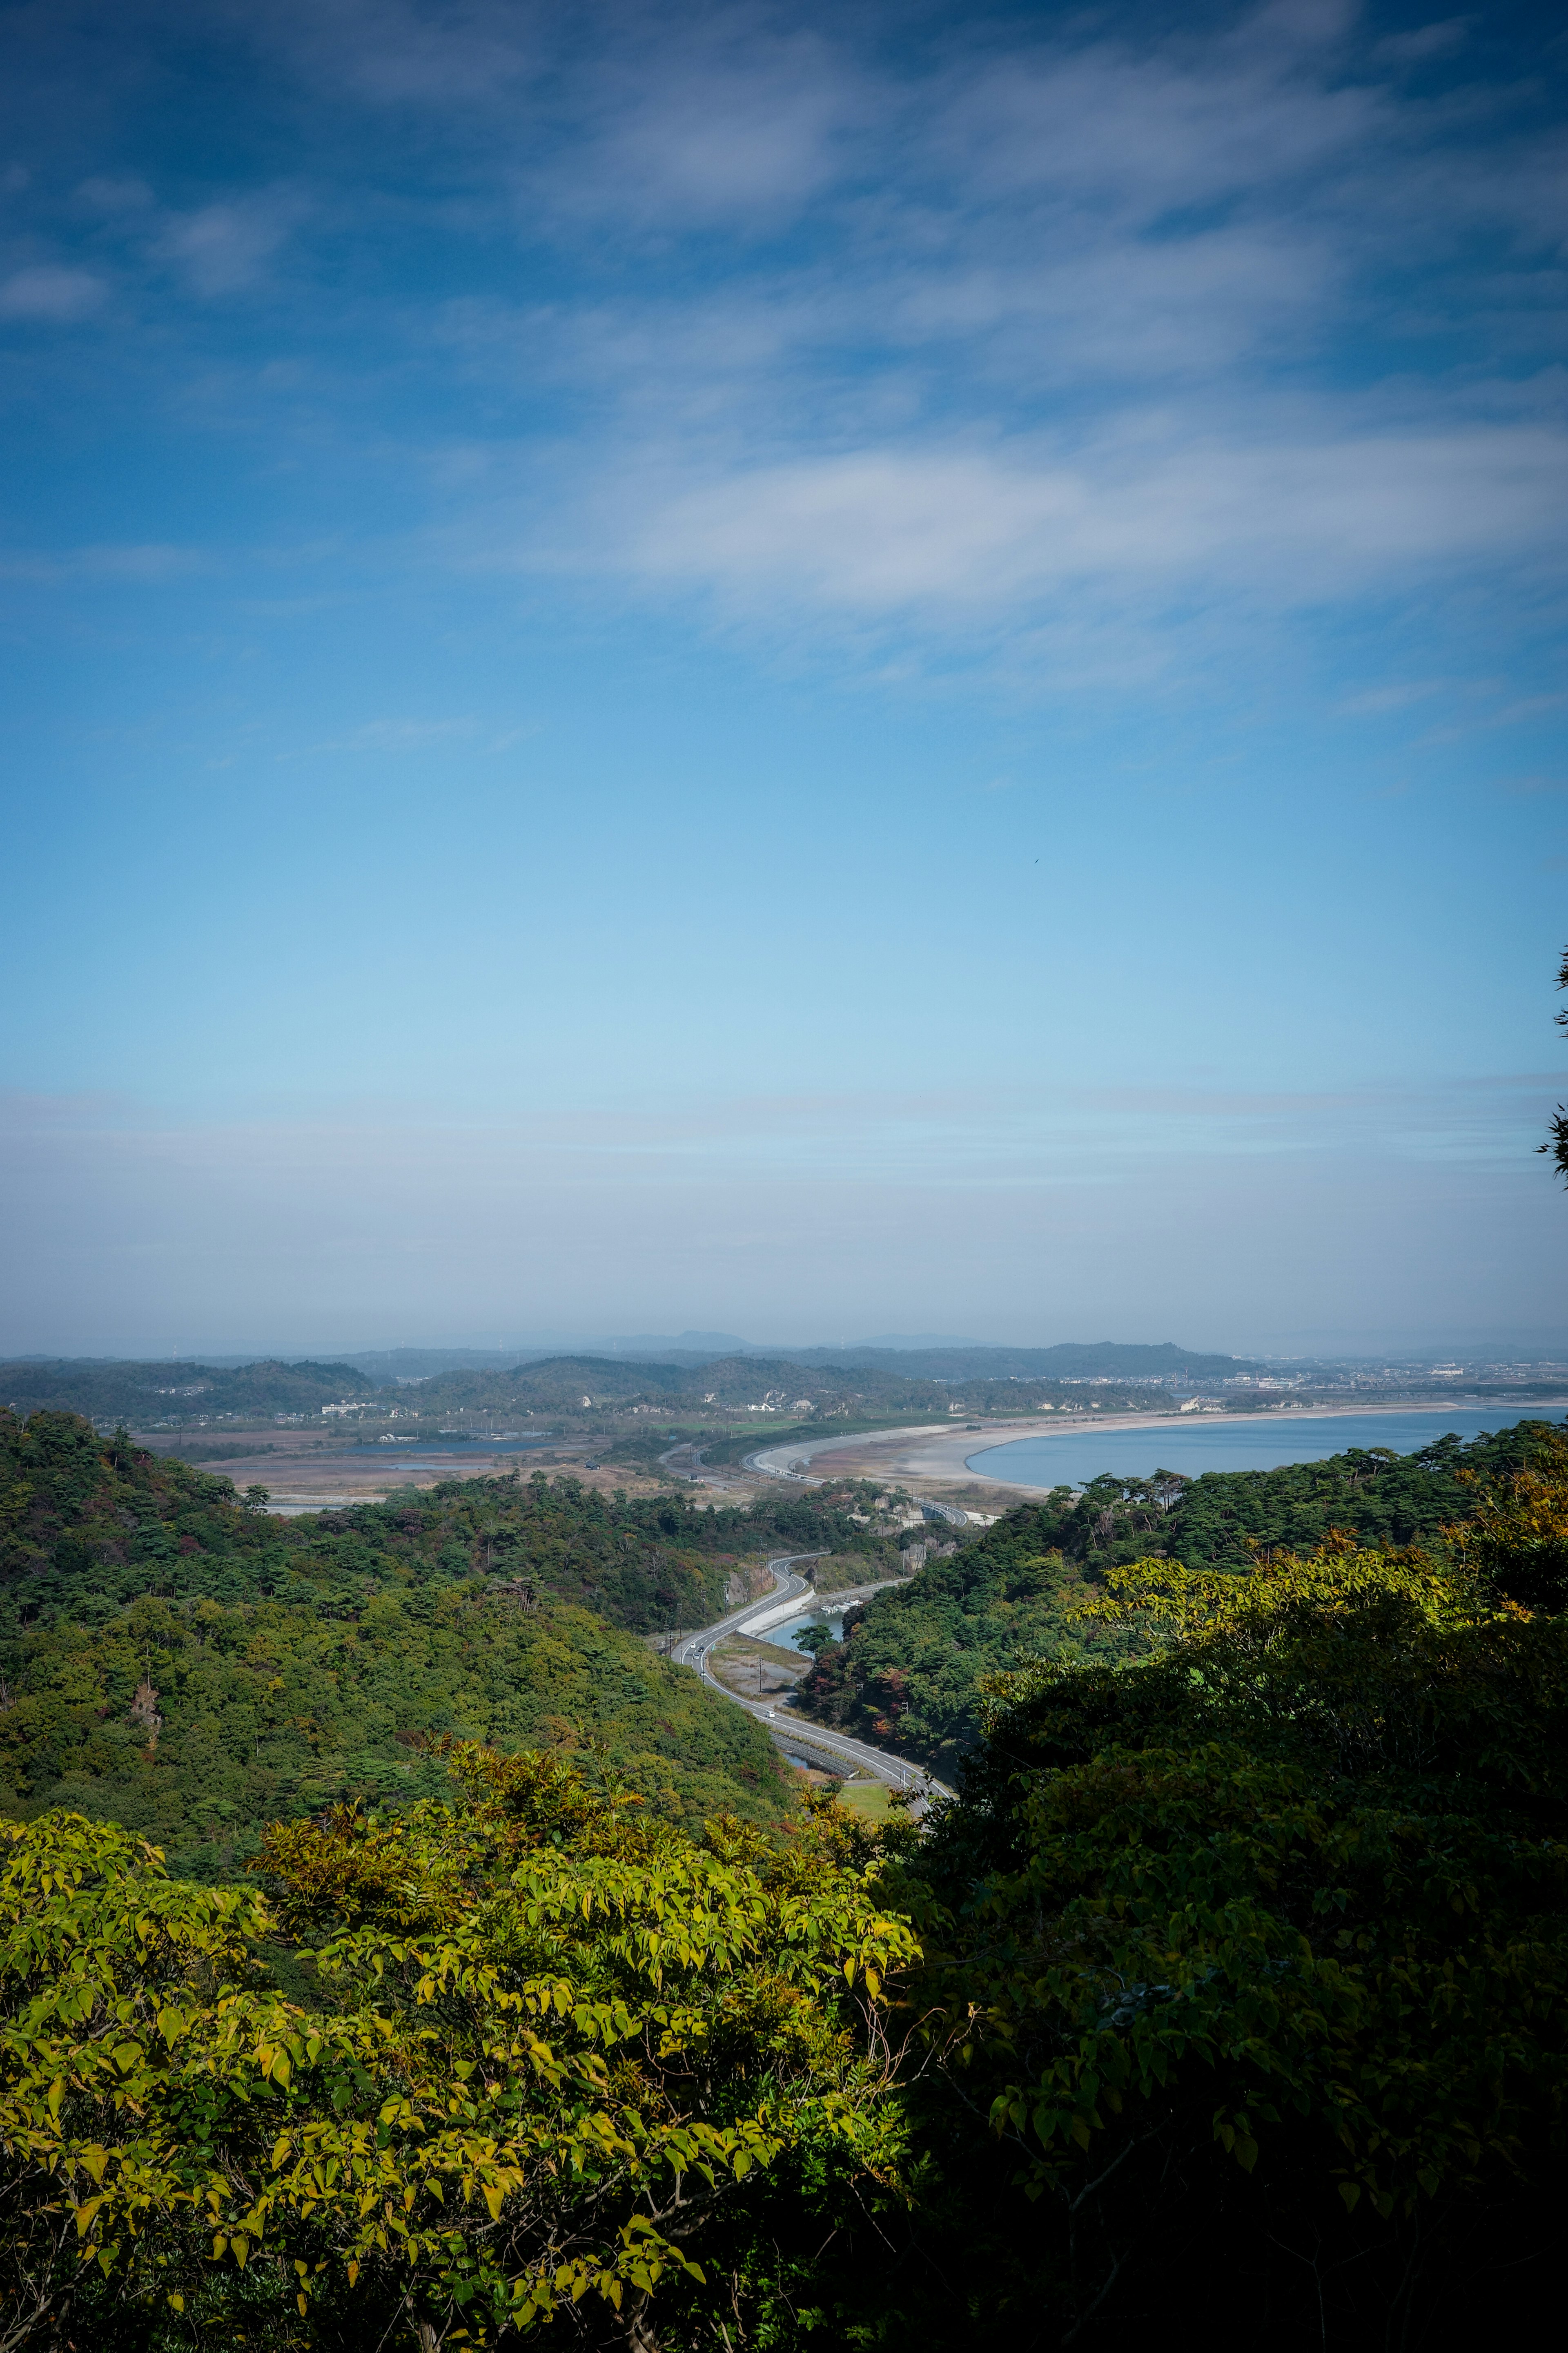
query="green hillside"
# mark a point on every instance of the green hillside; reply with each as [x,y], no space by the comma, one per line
[167,1391]
[592,1391]
[192,1668]
[910,1669]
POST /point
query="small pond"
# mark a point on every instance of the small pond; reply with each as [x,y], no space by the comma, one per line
[787,1636]
[426,1450]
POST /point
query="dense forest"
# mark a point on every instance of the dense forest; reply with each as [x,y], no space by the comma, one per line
[184,1662]
[911,1669]
[1234,1985]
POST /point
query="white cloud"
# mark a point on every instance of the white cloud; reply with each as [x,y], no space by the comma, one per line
[721,131]
[393,53]
[147,564]
[1077,321]
[60,295]
[1438,40]
[115,192]
[399,735]
[884,529]
[1027,315]
[1141,1207]
[223,248]
[1379,701]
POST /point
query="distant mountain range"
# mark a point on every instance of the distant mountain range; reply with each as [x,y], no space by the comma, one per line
[873,1378]
[869,1382]
[1070,1360]
[917,1357]
[640,1347]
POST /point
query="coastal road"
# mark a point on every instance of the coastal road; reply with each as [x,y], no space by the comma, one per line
[695,1470]
[791,1732]
[791,1462]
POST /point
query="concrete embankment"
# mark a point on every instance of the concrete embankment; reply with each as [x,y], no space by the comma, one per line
[814,1743]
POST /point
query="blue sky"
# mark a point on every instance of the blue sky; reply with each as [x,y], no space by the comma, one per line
[804,672]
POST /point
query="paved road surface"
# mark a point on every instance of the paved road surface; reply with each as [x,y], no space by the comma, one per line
[793,1732]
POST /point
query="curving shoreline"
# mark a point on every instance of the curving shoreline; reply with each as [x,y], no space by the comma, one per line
[934,1453]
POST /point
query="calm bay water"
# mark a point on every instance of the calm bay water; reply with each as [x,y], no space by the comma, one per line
[1193,1446]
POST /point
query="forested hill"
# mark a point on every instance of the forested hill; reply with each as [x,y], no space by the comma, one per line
[568,1385]
[1247,1955]
[874,1381]
[862,1381]
[166,1390]
[191,1668]
[910,1669]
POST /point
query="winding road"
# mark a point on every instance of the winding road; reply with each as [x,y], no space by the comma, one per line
[793,1732]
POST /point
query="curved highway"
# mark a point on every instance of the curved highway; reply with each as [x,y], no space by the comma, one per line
[791,1731]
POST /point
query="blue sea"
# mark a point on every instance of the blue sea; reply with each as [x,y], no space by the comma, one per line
[1193,1446]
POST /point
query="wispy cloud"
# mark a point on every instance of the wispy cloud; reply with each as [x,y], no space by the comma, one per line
[221,249]
[1298,522]
[976,321]
[48,293]
[974,1136]
[400,735]
[642,377]
[1116,1206]
[1067,316]
[145,566]
[1377,701]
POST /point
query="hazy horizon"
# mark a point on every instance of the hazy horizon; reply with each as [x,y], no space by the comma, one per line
[790,671]
[1543,1346]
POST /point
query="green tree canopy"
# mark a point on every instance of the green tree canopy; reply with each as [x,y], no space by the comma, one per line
[550,2039]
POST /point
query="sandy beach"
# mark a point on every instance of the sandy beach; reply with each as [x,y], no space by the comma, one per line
[933,1457]
[929,1457]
